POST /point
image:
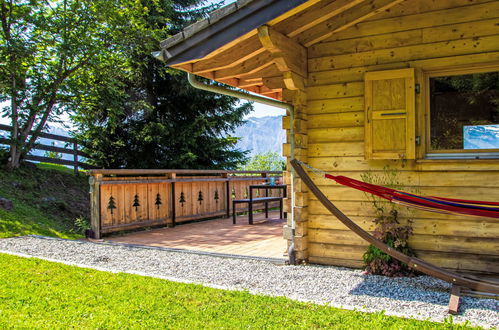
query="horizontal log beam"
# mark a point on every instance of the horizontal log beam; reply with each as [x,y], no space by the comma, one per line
[345,20]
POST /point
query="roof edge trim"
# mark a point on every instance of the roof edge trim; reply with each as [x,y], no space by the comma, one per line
[224,25]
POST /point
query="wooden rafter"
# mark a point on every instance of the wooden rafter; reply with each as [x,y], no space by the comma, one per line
[315,15]
[231,44]
[252,65]
[269,71]
[292,12]
[287,54]
[231,57]
[345,20]
[242,83]
[274,82]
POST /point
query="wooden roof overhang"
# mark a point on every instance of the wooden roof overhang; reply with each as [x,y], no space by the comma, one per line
[261,45]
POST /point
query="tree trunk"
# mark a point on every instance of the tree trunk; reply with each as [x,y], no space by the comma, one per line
[15,154]
[14,159]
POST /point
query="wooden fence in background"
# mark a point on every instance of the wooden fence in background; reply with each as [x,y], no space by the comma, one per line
[72,150]
[132,199]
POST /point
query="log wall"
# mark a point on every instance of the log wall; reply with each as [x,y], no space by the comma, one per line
[424,34]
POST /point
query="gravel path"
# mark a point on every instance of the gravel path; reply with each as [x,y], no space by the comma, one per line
[421,297]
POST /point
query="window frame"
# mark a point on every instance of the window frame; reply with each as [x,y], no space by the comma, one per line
[453,153]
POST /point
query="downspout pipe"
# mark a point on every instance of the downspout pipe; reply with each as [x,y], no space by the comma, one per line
[268,101]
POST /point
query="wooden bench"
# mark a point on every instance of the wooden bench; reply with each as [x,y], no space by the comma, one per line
[252,201]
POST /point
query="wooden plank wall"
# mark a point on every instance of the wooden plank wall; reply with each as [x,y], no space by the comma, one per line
[416,33]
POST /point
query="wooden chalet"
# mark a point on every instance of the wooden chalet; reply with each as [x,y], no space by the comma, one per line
[374,85]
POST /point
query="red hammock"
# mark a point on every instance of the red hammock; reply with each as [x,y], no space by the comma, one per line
[429,203]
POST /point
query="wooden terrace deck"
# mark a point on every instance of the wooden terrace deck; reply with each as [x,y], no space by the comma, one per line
[262,239]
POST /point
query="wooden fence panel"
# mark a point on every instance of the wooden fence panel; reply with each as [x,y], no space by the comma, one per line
[112,205]
[72,150]
[143,198]
[158,203]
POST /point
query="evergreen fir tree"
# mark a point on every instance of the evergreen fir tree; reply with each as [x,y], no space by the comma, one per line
[154,118]
[182,199]
[111,205]
[136,203]
[158,201]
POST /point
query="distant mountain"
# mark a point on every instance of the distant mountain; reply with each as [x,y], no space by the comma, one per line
[258,135]
[261,135]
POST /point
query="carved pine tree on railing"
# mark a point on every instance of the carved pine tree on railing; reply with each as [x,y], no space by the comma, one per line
[136,203]
[111,205]
[216,196]
[200,197]
[182,199]
[158,201]
[233,193]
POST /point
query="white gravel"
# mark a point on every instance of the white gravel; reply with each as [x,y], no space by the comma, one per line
[422,297]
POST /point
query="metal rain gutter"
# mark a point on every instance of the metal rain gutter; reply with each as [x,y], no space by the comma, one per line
[268,101]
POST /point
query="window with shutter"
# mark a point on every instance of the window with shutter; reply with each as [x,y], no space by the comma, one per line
[390,122]
[462,112]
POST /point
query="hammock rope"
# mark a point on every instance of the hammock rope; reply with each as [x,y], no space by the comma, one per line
[428,203]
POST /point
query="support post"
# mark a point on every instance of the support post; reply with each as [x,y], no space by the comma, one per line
[75,157]
[227,194]
[94,182]
[455,294]
[173,200]
[296,96]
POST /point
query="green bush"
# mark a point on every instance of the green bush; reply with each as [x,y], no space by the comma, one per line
[387,229]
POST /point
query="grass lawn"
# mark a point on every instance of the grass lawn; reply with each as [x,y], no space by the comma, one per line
[47,199]
[40,294]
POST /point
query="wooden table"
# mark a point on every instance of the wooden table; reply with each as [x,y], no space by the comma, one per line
[250,201]
[266,199]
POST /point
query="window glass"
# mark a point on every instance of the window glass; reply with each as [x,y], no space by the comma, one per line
[464,112]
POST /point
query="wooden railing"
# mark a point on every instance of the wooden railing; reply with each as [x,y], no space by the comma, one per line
[131,199]
[72,150]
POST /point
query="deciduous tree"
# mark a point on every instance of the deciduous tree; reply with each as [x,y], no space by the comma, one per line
[46,45]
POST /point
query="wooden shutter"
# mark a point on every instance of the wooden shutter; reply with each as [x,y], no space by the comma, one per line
[390,115]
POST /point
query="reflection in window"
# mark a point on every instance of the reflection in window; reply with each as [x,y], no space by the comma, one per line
[481,137]
[464,112]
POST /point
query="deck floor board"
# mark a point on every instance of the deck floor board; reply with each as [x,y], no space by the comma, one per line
[262,239]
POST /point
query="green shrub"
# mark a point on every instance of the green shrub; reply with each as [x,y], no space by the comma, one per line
[81,225]
[387,229]
[4,156]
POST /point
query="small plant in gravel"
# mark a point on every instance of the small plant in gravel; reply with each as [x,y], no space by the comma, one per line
[81,225]
[387,229]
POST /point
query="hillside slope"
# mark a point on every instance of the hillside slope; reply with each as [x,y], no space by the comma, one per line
[47,200]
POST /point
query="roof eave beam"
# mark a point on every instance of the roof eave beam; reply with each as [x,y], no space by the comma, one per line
[288,55]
